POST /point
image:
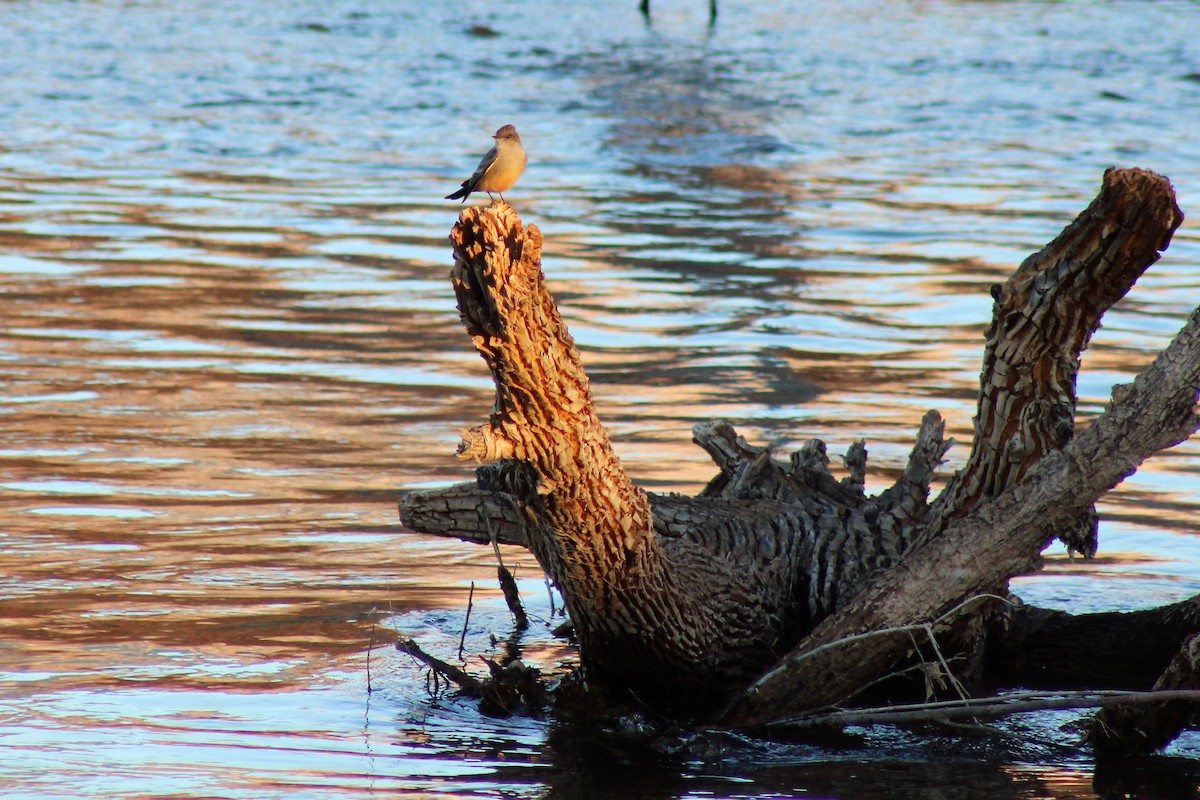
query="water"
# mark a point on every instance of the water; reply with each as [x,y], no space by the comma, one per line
[228,339]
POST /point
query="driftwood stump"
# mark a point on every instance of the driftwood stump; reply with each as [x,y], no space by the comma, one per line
[662,614]
[781,591]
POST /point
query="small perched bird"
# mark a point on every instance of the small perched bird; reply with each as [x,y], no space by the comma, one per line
[499,169]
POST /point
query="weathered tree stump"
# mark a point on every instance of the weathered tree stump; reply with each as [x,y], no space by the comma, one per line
[780,590]
[662,614]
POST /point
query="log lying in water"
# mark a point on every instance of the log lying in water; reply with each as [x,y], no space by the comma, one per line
[691,602]
[1143,729]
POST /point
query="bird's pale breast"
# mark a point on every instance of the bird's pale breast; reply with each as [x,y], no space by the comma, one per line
[504,171]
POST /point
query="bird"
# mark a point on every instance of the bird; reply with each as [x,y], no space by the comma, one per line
[499,169]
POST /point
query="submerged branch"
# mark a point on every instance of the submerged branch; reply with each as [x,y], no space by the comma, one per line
[463,680]
[983,708]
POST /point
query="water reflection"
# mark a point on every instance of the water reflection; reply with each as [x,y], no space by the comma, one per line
[227,338]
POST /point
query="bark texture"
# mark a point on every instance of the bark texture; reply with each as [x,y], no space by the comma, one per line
[1043,318]
[781,590]
[661,614]
[1133,730]
[982,529]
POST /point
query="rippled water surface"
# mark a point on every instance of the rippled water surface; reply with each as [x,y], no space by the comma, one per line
[228,339]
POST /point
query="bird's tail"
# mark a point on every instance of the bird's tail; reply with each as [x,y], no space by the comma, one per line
[463,192]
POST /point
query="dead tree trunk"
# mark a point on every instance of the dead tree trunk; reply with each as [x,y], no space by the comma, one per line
[659,614]
[689,601]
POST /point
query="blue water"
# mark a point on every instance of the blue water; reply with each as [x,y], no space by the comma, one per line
[228,339]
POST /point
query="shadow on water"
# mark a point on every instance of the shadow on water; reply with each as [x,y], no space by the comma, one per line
[581,757]
[596,765]
[587,763]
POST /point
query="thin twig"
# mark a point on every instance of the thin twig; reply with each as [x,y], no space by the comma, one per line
[370,647]
[918,667]
[462,640]
[958,687]
[465,681]
[982,707]
[919,626]
[508,584]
